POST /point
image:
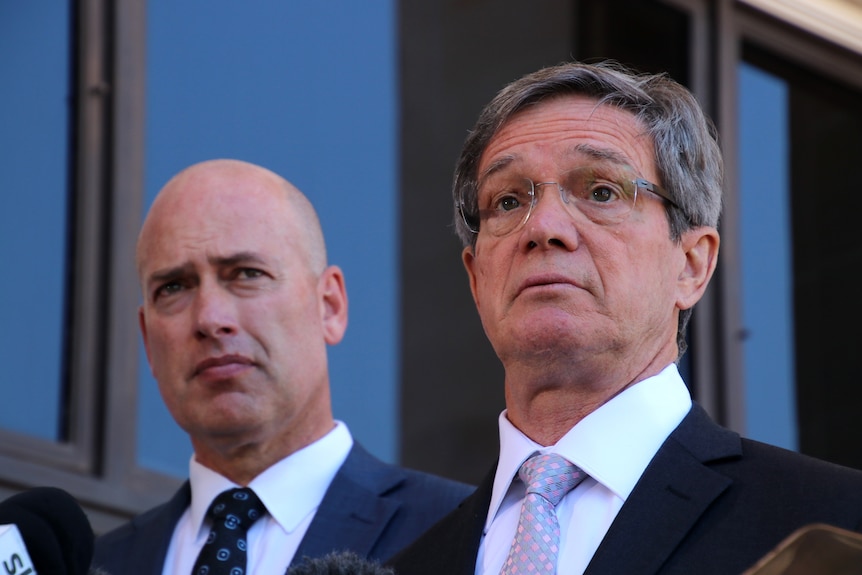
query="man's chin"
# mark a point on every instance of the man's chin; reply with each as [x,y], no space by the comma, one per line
[545,322]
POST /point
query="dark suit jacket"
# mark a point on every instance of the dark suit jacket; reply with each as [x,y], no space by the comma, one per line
[371,508]
[708,503]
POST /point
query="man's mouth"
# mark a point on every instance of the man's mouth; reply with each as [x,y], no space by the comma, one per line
[223,364]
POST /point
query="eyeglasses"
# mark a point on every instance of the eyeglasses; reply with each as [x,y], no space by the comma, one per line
[604,194]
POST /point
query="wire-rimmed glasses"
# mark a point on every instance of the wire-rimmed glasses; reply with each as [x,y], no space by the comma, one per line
[604,193]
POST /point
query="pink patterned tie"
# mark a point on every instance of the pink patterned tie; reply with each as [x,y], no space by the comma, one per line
[534,550]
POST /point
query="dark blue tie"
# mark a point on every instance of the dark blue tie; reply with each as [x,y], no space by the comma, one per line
[224,552]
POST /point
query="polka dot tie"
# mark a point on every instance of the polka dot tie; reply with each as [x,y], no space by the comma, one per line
[534,550]
[232,513]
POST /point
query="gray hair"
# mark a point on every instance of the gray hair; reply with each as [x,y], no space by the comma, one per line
[687,153]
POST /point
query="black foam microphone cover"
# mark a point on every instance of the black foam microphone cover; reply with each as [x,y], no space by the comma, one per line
[56,531]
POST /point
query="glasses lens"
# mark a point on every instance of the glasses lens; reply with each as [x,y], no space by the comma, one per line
[605,194]
[471,220]
[504,202]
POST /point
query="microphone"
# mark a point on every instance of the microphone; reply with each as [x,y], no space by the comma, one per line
[339,563]
[46,533]
[13,552]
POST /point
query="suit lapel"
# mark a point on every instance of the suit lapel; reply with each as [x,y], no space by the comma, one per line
[466,535]
[675,490]
[353,510]
[450,546]
[153,532]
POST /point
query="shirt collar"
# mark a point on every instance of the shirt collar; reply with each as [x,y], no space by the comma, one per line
[290,489]
[613,444]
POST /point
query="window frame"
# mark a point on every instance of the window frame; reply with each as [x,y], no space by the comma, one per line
[720,28]
[97,462]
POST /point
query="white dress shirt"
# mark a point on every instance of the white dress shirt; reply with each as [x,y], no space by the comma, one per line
[613,445]
[291,490]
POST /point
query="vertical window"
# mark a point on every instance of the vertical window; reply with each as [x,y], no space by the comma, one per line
[820,187]
[34,121]
[767,270]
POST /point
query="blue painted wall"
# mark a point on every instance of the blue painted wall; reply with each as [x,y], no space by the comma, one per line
[34,124]
[308,90]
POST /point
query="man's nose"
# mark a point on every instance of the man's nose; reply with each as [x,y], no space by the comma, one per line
[551,221]
[550,192]
[215,311]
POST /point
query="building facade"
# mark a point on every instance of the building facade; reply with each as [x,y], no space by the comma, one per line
[364,106]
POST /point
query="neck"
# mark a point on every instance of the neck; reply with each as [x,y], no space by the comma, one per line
[545,402]
[242,461]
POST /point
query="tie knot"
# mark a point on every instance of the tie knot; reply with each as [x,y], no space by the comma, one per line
[237,508]
[550,476]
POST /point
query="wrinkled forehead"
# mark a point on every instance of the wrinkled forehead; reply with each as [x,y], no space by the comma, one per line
[567,128]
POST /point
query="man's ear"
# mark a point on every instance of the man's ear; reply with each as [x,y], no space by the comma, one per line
[468,256]
[333,304]
[700,247]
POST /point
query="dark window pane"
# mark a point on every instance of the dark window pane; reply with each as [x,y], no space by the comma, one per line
[825,121]
[647,35]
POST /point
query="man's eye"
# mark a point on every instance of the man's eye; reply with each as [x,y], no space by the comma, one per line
[167,289]
[604,193]
[511,196]
[248,273]
[508,203]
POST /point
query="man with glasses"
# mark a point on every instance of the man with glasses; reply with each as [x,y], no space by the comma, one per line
[587,198]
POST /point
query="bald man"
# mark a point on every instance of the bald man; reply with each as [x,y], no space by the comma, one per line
[239,306]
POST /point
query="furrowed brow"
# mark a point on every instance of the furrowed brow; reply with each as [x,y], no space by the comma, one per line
[236,259]
[166,275]
[496,166]
[601,154]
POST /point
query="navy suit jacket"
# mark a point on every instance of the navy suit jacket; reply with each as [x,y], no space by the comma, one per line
[709,502]
[371,508]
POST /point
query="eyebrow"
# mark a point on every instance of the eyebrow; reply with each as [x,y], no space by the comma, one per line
[237,258]
[589,150]
[160,276]
[498,165]
[604,154]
